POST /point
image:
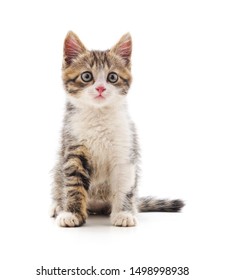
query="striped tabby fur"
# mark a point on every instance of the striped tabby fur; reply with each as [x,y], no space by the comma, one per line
[97,169]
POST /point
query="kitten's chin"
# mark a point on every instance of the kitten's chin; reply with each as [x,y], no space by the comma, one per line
[100,102]
[99,97]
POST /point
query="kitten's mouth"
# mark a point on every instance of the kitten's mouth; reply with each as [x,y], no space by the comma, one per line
[99,97]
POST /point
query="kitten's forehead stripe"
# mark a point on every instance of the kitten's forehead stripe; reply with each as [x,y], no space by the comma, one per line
[106,59]
[100,59]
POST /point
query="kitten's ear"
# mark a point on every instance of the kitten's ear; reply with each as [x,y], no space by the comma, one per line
[124,47]
[72,47]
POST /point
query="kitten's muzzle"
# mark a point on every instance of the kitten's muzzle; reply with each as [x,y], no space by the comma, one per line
[100,89]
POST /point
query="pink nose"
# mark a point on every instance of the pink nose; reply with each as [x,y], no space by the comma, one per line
[100,89]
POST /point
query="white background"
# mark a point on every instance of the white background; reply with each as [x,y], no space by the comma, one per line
[177,102]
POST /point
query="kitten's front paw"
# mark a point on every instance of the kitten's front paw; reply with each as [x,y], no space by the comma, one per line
[123,219]
[68,219]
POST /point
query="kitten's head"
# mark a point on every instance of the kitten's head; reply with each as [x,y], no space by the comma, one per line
[96,78]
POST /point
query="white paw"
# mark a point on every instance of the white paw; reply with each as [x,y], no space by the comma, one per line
[68,219]
[123,219]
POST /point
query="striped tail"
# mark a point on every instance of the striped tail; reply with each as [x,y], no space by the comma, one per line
[150,204]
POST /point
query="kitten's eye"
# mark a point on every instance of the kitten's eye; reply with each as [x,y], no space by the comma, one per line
[87,76]
[112,77]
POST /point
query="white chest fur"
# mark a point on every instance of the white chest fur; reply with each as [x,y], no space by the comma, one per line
[106,133]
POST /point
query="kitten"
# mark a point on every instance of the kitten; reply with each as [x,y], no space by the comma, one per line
[97,170]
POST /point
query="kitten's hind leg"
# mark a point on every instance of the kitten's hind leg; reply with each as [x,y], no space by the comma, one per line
[124,207]
[76,179]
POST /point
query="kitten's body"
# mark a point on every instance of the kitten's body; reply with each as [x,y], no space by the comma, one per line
[98,163]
